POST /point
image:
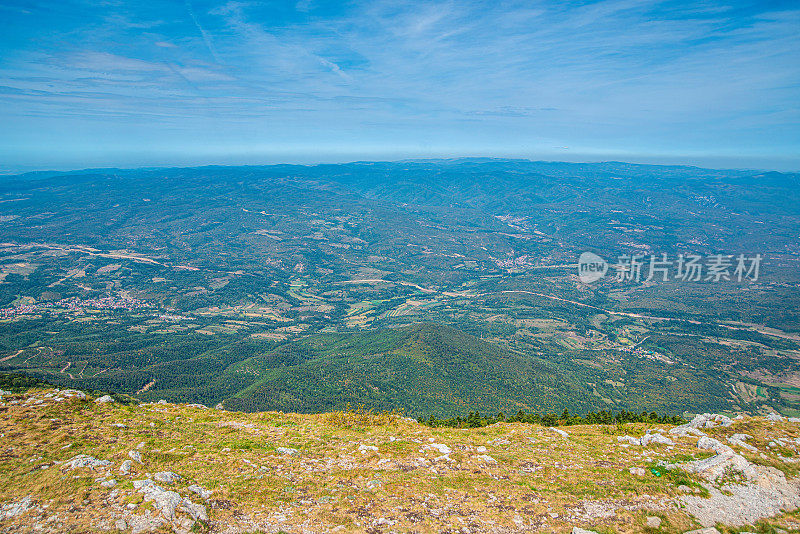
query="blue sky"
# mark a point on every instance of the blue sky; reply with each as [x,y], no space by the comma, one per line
[115,83]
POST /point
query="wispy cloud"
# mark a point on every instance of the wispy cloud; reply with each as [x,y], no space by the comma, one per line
[630,76]
[206,38]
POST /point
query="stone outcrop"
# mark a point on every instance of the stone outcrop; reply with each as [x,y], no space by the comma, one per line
[169,502]
[83,460]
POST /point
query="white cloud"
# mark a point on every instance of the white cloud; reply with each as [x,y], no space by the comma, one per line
[629,74]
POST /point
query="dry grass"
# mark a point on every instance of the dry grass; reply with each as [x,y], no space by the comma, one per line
[538,480]
[361,418]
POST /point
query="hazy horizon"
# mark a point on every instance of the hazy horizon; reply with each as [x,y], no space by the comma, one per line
[677,161]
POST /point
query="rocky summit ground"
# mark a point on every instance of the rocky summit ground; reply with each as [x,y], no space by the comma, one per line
[72,463]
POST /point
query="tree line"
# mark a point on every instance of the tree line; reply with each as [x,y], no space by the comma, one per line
[603,417]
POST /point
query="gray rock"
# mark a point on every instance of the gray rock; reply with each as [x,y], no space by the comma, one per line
[441,447]
[726,461]
[164,500]
[286,450]
[196,511]
[710,420]
[104,399]
[125,468]
[653,521]
[704,420]
[718,465]
[775,417]
[83,460]
[7,511]
[559,432]
[766,493]
[710,530]
[656,438]
[73,393]
[166,477]
[136,456]
[200,490]
[578,530]
[140,524]
[121,524]
[713,445]
[739,441]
